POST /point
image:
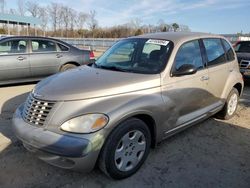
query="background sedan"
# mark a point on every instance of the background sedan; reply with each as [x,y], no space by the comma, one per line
[33,58]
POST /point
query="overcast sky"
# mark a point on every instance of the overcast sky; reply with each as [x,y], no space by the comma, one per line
[216,16]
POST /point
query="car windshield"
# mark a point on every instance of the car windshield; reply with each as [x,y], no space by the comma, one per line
[243,47]
[146,56]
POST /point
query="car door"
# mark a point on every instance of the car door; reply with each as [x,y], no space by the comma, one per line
[14,60]
[218,67]
[44,58]
[186,95]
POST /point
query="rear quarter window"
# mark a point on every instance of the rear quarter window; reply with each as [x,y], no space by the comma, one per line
[63,48]
[229,50]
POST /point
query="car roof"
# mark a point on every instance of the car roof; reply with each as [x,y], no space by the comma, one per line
[26,37]
[177,36]
[34,37]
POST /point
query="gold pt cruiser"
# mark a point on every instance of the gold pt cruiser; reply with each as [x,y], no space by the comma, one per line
[139,92]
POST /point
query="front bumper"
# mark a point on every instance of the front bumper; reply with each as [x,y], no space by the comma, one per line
[245,72]
[64,151]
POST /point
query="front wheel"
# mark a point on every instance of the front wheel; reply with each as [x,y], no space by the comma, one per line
[126,149]
[230,106]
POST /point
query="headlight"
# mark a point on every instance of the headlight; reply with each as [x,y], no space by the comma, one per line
[85,124]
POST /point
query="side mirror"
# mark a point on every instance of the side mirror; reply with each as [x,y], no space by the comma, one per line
[185,69]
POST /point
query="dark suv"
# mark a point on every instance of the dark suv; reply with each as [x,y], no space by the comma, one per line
[26,58]
[242,50]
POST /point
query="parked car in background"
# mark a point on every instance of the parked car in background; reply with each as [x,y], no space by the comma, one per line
[242,49]
[26,58]
[142,90]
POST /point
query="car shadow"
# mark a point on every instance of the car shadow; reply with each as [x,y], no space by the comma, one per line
[7,111]
[211,154]
[18,84]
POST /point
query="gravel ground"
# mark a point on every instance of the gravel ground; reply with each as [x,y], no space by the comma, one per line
[211,154]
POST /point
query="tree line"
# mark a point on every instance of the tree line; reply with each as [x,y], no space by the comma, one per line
[59,20]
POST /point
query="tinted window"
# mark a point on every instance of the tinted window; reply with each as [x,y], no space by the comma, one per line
[215,51]
[243,47]
[229,50]
[43,46]
[63,48]
[147,56]
[189,53]
[13,46]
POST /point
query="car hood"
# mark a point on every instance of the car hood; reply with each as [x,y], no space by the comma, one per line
[243,56]
[87,82]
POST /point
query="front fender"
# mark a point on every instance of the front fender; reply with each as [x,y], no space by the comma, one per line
[117,107]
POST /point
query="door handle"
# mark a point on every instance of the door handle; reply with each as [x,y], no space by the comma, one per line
[59,55]
[204,78]
[21,58]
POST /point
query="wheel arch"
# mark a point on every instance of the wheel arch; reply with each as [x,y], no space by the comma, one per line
[239,87]
[235,80]
[150,122]
[147,119]
[68,63]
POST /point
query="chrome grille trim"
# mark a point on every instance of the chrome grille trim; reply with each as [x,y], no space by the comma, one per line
[244,64]
[36,111]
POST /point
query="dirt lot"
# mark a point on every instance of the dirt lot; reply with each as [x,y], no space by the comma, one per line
[211,154]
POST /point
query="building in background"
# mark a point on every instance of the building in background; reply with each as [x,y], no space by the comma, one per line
[9,21]
[233,38]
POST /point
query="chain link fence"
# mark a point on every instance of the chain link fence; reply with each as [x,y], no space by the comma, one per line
[96,44]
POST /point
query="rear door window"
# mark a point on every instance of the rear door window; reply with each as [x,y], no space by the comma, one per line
[215,52]
[13,46]
[189,53]
[43,46]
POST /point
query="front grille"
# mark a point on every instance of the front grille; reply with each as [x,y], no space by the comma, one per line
[36,111]
[244,64]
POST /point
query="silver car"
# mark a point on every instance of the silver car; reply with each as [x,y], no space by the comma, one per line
[30,58]
[139,92]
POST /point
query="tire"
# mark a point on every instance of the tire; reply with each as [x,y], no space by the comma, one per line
[131,140]
[67,67]
[230,106]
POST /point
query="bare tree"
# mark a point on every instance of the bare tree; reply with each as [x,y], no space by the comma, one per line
[44,17]
[92,22]
[21,7]
[72,19]
[54,11]
[33,8]
[12,11]
[2,5]
[81,20]
[163,27]
[135,23]
[65,18]
[184,28]
[175,27]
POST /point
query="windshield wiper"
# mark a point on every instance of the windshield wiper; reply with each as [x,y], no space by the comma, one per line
[112,68]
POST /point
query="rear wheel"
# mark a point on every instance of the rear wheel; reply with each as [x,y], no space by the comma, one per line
[67,67]
[126,149]
[230,106]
